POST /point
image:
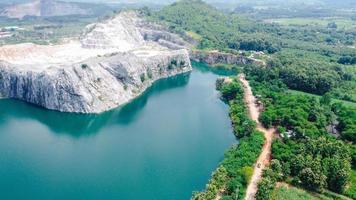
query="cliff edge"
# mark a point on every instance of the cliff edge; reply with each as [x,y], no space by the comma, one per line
[113,62]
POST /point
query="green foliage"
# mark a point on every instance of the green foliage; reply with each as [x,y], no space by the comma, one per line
[232,92]
[160,69]
[250,44]
[213,29]
[198,17]
[149,74]
[305,59]
[182,63]
[332,25]
[246,152]
[174,62]
[298,115]
[239,159]
[313,179]
[347,60]
[351,190]
[318,163]
[353,155]
[347,121]
[145,11]
[216,183]
[227,198]
[301,70]
[219,83]
[143,77]
[292,193]
[308,59]
[265,188]
[269,178]
[314,160]
[276,167]
[170,66]
[216,30]
[247,172]
[337,173]
[84,66]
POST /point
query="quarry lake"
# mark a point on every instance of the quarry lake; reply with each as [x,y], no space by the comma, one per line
[163,145]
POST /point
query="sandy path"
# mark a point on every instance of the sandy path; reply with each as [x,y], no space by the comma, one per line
[264,158]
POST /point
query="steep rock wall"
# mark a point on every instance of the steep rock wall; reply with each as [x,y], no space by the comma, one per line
[120,67]
[214,57]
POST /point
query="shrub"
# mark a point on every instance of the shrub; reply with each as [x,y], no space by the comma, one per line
[143,77]
[247,172]
[174,62]
[170,66]
[182,63]
[230,90]
[149,74]
[84,66]
[216,183]
[265,189]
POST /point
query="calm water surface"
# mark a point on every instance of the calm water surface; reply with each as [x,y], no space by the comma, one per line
[163,145]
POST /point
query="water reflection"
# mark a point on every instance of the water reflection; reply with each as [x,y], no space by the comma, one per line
[62,123]
[78,125]
[176,131]
[205,68]
[129,112]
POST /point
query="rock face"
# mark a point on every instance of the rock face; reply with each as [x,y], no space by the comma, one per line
[44,8]
[214,57]
[114,62]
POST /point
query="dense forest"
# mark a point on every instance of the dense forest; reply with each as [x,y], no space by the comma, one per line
[308,153]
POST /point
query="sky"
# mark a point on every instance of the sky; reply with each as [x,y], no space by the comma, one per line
[209,1]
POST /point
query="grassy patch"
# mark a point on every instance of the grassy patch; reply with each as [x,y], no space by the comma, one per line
[283,193]
[342,23]
[194,35]
[346,103]
[351,190]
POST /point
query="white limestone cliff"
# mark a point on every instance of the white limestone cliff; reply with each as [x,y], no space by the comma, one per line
[112,63]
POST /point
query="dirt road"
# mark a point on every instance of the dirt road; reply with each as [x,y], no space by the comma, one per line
[264,158]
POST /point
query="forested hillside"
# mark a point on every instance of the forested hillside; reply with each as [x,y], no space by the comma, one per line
[316,60]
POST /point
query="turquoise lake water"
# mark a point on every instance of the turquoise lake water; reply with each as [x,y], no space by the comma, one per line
[163,145]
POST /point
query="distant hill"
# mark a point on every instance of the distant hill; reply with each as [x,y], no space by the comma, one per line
[49,8]
[199,20]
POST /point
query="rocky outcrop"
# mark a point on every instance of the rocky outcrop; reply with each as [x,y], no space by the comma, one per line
[215,57]
[114,62]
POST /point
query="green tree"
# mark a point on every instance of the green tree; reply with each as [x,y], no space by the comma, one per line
[229,91]
[247,172]
[312,180]
[326,99]
[277,168]
[338,174]
[265,188]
